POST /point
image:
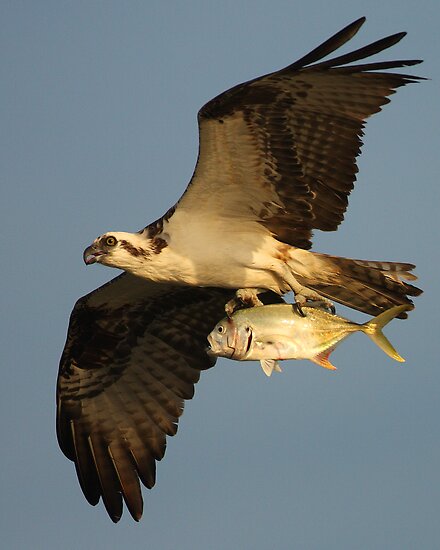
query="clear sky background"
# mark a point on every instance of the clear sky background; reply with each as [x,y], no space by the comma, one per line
[98,132]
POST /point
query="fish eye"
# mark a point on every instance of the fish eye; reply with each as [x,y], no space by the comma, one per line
[110,241]
[221,329]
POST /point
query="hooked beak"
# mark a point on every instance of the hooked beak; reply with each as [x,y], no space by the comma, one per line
[91,255]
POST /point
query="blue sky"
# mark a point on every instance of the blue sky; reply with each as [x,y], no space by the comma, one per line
[98,116]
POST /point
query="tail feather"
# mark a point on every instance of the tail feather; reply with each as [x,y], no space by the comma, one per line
[368,286]
[397,271]
[374,330]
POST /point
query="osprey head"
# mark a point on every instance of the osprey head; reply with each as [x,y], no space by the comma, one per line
[121,250]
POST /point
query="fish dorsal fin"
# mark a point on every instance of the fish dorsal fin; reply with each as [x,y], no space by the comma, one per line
[269,365]
[322,359]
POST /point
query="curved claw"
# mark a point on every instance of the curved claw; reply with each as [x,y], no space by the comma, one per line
[318,304]
[231,306]
[298,309]
[244,297]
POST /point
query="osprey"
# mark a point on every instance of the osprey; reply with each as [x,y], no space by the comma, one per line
[277,160]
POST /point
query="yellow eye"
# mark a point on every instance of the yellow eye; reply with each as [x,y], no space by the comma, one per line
[221,329]
[110,241]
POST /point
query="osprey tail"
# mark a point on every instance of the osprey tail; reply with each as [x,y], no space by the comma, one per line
[367,286]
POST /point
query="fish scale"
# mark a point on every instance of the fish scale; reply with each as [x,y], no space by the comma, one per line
[278,332]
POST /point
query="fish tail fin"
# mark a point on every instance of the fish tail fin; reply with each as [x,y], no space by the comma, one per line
[269,365]
[373,329]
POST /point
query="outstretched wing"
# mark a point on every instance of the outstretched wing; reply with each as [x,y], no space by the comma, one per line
[281,149]
[134,351]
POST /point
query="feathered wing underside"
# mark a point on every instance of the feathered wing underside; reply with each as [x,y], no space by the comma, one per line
[281,149]
[134,351]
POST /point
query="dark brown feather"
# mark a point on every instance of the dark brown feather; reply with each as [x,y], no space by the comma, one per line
[306,122]
[134,351]
[283,146]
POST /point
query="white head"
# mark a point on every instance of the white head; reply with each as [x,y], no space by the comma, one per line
[127,251]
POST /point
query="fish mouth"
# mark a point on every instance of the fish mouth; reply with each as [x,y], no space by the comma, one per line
[210,351]
[214,351]
[219,353]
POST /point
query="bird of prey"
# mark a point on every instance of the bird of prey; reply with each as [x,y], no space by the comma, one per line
[277,160]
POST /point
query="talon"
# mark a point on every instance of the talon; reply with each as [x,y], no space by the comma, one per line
[300,302]
[326,304]
[244,297]
[321,304]
[231,306]
[309,298]
[297,307]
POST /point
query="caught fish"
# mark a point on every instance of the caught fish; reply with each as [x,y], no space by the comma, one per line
[278,331]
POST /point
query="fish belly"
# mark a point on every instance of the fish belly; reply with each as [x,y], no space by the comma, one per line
[280,333]
[303,345]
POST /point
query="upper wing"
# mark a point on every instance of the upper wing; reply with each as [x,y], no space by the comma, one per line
[281,149]
[134,351]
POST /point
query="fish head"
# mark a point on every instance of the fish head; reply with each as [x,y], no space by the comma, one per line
[230,339]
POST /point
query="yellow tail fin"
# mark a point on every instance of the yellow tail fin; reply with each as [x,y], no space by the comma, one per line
[374,330]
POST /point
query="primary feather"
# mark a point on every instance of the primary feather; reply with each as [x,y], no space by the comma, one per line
[277,160]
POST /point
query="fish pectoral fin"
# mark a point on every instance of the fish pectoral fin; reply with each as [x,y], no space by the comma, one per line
[269,365]
[322,359]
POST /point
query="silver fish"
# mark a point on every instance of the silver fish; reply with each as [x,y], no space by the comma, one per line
[276,332]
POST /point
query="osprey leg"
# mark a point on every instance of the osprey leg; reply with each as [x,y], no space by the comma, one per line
[244,296]
[304,294]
